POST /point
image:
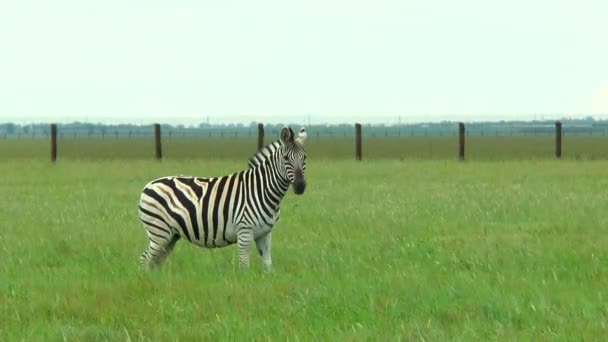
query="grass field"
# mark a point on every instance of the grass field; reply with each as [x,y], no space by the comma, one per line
[442,148]
[382,250]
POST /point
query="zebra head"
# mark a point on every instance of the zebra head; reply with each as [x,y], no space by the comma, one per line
[294,158]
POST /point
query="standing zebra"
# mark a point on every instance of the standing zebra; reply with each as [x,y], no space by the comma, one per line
[217,212]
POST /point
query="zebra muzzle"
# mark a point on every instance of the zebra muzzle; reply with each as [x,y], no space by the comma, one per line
[299,184]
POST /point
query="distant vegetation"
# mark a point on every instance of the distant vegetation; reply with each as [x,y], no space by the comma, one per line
[587,126]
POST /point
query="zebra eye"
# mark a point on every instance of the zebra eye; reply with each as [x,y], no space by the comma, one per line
[286,158]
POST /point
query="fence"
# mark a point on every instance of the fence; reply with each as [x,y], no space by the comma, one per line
[358,151]
[441,129]
[440,141]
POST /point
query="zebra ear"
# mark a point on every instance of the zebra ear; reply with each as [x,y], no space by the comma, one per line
[286,135]
[302,136]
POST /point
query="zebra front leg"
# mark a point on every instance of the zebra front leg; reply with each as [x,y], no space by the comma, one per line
[244,237]
[263,246]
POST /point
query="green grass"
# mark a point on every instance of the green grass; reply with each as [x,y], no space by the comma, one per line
[227,148]
[381,250]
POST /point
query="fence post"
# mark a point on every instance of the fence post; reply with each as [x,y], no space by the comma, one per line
[558,139]
[461,133]
[159,153]
[358,154]
[53,142]
[260,136]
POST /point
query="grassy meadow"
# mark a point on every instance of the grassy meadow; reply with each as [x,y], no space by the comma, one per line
[377,250]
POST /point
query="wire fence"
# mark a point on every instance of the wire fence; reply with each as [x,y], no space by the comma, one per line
[484,141]
[448,129]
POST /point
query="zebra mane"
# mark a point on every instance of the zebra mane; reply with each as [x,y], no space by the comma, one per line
[262,155]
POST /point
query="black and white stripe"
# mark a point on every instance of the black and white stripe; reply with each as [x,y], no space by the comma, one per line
[217,212]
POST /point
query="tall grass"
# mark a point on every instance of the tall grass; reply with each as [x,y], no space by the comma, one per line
[377,250]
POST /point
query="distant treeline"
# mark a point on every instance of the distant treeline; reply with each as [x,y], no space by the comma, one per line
[587,126]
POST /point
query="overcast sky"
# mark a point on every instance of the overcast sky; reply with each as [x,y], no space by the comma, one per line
[367,60]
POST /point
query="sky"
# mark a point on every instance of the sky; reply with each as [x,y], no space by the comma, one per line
[318,61]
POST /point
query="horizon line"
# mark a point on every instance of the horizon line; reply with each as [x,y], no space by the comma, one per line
[191,122]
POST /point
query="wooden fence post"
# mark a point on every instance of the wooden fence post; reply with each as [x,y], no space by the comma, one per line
[558,139]
[461,133]
[159,152]
[260,136]
[53,142]
[358,154]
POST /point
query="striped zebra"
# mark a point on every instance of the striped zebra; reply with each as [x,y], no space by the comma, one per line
[217,212]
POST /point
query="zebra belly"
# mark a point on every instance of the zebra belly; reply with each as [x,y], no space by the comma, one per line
[230,236]
[218,241]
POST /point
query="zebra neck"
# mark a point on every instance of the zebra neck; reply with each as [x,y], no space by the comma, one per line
[272,185]
[282,182]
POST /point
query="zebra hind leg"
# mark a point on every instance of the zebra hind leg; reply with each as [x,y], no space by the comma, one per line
[157,251]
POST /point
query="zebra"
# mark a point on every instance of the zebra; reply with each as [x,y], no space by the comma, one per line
[216,212]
